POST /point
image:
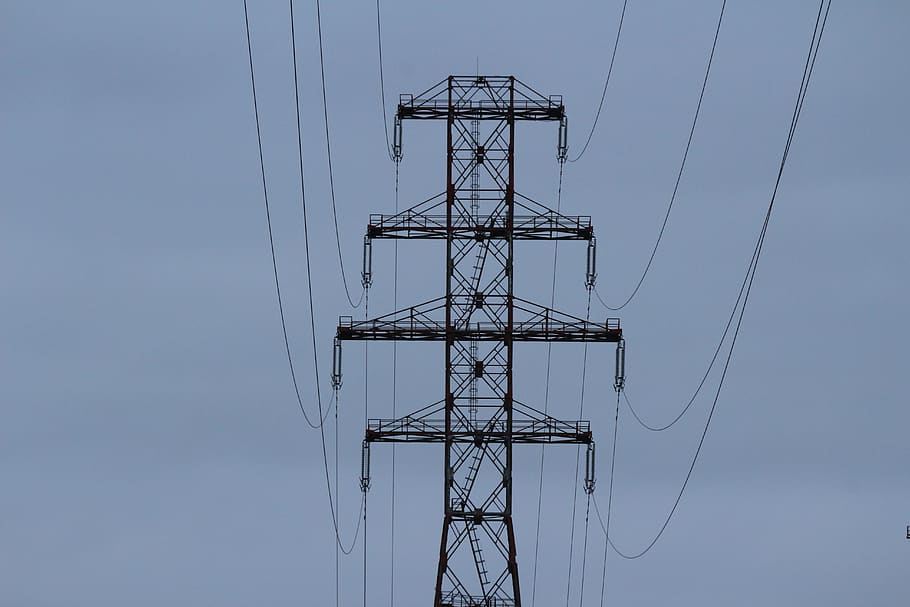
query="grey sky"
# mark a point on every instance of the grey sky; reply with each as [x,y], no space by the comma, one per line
[151,451]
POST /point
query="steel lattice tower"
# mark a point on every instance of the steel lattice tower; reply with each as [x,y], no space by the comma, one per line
[479,419]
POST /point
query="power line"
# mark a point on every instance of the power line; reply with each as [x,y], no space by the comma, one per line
[394,405]
[385,116]
[328,149]
[589,489]
[338,509]
[581,408]
[546,399]
[682,168]
[584,553]
[701,383]
[268,217]
[366,420]
[746,288]
[364,551]
[606,528]
[309,277]
[606,84]
[649,427]
[339,545]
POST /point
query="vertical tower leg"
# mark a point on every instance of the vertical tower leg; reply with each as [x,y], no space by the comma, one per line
[449,400]
[510,305]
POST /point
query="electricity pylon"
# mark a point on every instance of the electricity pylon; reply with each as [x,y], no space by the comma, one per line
[480,217]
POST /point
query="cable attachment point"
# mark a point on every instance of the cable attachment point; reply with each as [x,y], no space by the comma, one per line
[591,271]
[589,469]
[619,381]
[396,139]
[336,364]
[366,274]
[562,144]
[365,467]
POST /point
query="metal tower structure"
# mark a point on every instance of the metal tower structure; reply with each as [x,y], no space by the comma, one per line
[480,216]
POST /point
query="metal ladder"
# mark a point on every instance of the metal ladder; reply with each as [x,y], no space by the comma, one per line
[473,469]
[475,212]
[478,557]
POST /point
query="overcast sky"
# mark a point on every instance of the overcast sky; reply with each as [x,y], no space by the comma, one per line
[151,449]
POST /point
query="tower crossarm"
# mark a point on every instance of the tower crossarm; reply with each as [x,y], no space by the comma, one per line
[480,98]
[529,426]
[532,221]
[548,226]
[532,432]
[533,323]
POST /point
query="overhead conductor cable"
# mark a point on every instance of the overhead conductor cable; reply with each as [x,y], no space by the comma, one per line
[679,174]
[745,288]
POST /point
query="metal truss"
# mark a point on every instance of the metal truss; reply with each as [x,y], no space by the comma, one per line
[536,324]
[535,223]
[479,420]
[529,426]
[465,98]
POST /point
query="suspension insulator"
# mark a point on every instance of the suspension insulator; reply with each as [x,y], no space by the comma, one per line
[396,139]
[366,274]
[336,364]
[591,271]
[589,469]
[365,467]
[619,381]
[562,144]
